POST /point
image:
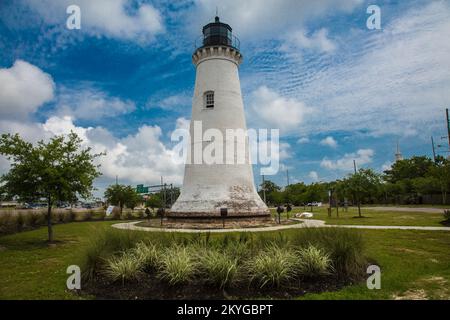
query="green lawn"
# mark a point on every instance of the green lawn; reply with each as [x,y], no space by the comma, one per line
[413,263]
[372,217]
[436,206]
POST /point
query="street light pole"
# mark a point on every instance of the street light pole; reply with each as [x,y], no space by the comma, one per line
[357,191]
[448,127]
[434,150]
[264,189]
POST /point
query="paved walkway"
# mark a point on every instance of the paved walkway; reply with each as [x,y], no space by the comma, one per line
[306,223]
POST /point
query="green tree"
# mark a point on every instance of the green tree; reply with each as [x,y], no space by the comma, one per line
[363,185]
[121,195]
[315,192]
[414,167]
[58,170]
[154,201]
[440,173]
[133,198]
[270,188]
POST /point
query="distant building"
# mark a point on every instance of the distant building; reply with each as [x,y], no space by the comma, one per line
[398,154]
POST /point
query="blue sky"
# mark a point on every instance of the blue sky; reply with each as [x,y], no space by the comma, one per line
[336,90]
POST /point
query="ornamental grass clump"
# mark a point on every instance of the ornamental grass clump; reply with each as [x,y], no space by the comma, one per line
[272,266]
[177,265]
[218,268]
[344,246]
[125,267]
[147,254]
[313,262]
[447,215]
[104,244]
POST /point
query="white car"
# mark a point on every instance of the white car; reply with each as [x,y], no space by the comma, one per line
[314,204]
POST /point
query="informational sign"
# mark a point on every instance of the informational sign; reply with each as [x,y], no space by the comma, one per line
[109,210]
[141,189]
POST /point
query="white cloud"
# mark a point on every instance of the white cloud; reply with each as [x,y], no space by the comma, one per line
[183,123]
[317,41]
[285,151]
[276,111]
[138,158]
[264,19]
[303,140]
[386,166]
[389,82]
[23,89]
[91,104]
[329,142]
[111,18]
[172,102]
[314,176]
[362,157]
[141,157]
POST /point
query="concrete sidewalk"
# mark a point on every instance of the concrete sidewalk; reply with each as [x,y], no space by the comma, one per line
[305,223]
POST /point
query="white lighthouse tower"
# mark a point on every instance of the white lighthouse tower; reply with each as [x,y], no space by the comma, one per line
[212,190]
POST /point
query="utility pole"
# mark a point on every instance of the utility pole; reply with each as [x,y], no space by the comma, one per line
[434,150]
[117,180]
[171,194]
[264,189]
[448,127]
[163,192]
[357,191]
[287,177]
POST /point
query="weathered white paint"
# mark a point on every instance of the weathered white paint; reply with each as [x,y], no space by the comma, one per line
[208,188]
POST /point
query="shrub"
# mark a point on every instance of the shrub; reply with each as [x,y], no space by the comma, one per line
[128,215]
[147,254]
[447,215]
[272,266]
[345,247]
[87,216]
[106,242]
[125,267]
[20,222]
[67,217]
[8,223]
[313,262]
[72,215]
[59,216]
[102,215]
[177,266]
[36,219]
[238,250]
[115,215]
[218,268]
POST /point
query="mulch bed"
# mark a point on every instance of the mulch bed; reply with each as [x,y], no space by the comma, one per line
[151,288]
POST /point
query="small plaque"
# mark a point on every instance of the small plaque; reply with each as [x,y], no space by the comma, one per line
[223,212]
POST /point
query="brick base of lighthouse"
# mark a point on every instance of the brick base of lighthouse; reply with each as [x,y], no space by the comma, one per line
[206,202]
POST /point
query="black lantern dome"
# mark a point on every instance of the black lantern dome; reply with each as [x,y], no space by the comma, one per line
[219,33]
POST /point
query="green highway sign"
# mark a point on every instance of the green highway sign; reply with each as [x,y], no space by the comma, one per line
[141,189]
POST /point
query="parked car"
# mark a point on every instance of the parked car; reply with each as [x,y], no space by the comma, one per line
[314,204]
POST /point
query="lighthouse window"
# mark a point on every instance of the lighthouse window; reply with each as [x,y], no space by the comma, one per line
[209,99]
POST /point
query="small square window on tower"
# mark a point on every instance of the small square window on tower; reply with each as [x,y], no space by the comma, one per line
[209,99]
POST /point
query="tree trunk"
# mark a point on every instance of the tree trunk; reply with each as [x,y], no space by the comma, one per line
[49,220]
